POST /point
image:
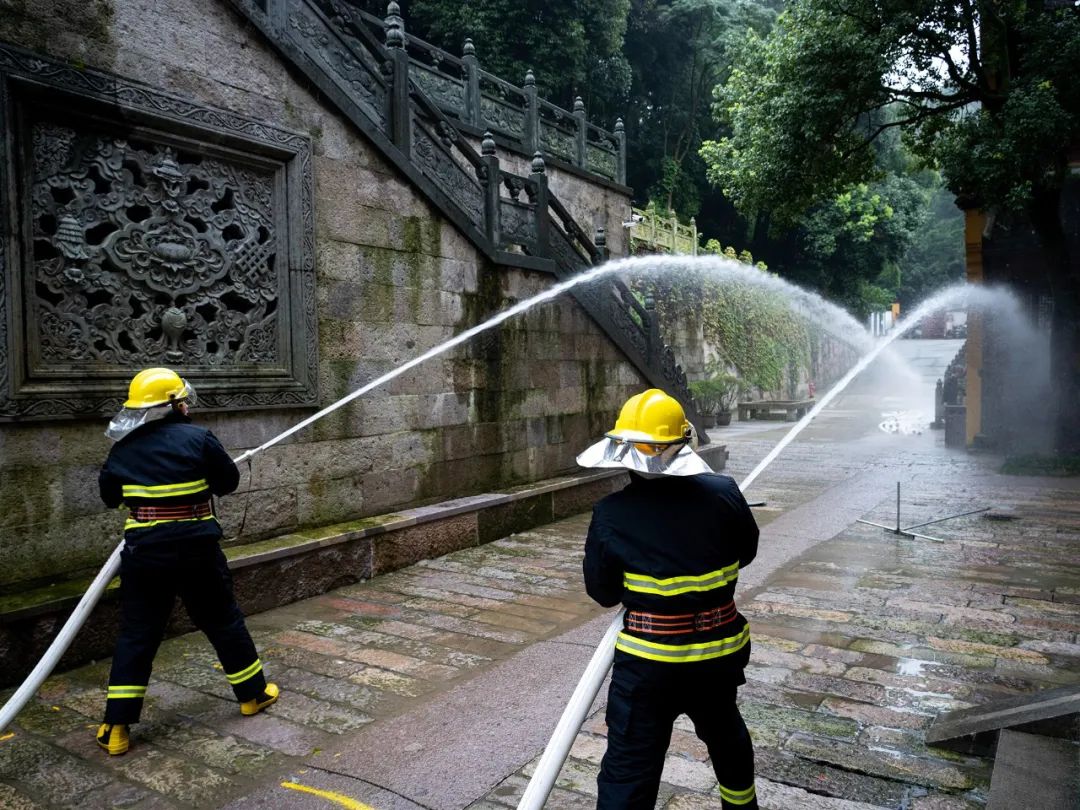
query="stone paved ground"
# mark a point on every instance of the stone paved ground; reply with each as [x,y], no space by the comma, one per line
[860,638]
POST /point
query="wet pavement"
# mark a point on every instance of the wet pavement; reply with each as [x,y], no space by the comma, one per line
[437,686]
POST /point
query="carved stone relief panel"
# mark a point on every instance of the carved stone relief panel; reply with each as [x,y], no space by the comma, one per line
[140,237]
[439,166]
[517,222]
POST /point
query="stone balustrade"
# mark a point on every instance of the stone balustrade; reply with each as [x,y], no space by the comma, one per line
[479,101]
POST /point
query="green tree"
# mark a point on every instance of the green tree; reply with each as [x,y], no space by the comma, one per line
[678,51]
[567,43]
[984,91]
[935,258]
[806,102]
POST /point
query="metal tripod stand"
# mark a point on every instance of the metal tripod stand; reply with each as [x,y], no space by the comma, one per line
[907,531]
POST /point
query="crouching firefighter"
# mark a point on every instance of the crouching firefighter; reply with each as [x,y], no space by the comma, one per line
[669,546]
[165,470]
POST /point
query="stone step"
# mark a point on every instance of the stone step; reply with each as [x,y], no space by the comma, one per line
[1035,772]
[1051,712]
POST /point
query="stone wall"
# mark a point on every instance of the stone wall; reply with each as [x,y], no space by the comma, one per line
[393,280]
[830,359]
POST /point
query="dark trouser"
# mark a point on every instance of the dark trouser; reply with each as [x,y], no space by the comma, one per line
[643,702]
[152,575]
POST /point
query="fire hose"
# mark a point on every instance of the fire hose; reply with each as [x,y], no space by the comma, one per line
[93,593]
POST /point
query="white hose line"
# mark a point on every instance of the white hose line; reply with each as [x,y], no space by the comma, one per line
[551,762]
[86,604]
[558,747]
[62,641]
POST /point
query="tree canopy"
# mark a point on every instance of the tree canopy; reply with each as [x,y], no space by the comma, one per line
[984,90]
[655,63]
[569,44]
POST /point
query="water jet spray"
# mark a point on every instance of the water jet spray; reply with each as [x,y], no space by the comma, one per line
[558,748]
[814,307]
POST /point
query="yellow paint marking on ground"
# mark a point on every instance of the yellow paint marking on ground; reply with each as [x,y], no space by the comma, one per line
[329,795]
[7,736]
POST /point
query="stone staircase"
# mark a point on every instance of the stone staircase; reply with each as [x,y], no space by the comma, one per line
[1035,742]
[512,219]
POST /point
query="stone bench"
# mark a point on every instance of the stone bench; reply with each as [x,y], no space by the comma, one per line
[791,410]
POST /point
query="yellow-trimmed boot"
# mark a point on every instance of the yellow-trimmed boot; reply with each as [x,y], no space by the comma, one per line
[257,704]
[113,737]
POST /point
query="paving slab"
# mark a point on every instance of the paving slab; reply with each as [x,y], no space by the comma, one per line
[436,686]
[493,723]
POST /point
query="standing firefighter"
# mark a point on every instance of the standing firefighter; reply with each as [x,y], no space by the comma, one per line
[165,470]
[669,547]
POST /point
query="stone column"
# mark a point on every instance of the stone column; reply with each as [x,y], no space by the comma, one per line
[620,160]
[582,131]
[473,114]
[532,114]
[400,132]
[490,180]
[543,219]
[600,240]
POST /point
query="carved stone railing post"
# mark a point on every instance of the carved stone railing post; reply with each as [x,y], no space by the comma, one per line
[490,179]
[472,84]
[543,219]
[532,113]
[694,236]
[620,161]
[400,132]
[600,240]
[582,131]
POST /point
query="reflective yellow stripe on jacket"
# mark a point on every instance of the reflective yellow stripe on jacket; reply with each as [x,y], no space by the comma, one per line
[673,586]
[683,653]
[165,490]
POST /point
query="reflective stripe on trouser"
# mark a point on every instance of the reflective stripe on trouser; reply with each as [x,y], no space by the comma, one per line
[683,653]
[739,798]
[237,678]
[126,692]
[673,586]
[152,575]
[643,701]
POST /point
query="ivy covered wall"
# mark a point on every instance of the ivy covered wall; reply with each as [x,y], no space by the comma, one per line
[721,324]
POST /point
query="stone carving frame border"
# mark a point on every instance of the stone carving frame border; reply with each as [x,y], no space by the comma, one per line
[131,103]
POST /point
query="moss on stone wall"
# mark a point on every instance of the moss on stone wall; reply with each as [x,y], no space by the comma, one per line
[499,350]
[391,273]
[595,381]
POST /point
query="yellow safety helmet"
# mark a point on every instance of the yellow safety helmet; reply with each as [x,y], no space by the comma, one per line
[156,386]
[652,417]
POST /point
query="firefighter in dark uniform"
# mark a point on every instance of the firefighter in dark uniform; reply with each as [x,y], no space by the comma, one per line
[165,471]
[669,546]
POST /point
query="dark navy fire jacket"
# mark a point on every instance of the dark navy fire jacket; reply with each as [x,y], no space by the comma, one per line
[673,546]
[167,462]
